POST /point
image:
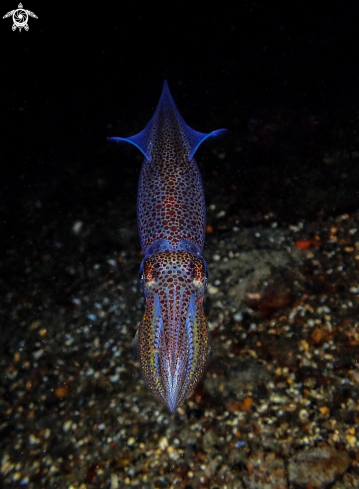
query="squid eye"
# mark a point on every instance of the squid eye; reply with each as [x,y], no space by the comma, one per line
[200,279]
[201,275]
[149,275]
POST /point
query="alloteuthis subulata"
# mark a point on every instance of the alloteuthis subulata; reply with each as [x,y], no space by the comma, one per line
[173,339]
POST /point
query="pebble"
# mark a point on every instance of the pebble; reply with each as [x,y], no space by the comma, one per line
[67,425]
[238,316]
[77,226]
[114,481]
[163,444]
[38,354]
[212,290]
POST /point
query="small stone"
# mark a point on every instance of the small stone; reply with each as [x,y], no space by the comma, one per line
[318,335]
[324,411]
[38,354]
[34,325]
[351,440]
[163,443]
[212,466]
[247,403]
[131,441]
[212,290]
[234,406]
[303,415]
[114,481]
[304,345]
[77,226]
[61,392]
[33,440]
[67,425]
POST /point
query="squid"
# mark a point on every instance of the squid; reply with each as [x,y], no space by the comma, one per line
[173,340]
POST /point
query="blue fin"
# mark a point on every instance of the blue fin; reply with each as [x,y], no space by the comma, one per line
[142,140]
[196,138]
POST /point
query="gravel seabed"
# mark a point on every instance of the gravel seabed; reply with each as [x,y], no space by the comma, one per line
[279,405]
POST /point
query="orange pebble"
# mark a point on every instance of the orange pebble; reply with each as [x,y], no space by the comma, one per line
[308,243]
[61,392]
[324,411]
[247,403]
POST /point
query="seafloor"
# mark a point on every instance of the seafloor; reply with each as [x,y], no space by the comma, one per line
[279,406]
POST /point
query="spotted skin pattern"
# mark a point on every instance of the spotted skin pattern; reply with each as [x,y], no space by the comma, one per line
[173,339]
[170,193]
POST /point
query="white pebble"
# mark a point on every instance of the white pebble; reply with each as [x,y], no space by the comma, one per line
[38,354]
[238,316]
[163,443]
[114,481]
[77,227]
[67,425]
[212,289]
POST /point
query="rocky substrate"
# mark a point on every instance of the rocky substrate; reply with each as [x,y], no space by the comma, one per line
[278,407]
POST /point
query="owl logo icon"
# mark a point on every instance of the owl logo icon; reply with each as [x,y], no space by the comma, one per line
[20,17]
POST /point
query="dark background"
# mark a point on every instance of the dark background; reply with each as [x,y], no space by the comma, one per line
[83,73]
